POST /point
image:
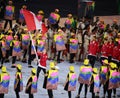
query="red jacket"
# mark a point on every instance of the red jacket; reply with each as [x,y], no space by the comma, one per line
[116,53]
[110,48]
[93,48]
[119,52]
[43,59]
[104,50]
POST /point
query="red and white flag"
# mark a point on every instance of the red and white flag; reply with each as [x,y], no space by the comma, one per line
[31,20]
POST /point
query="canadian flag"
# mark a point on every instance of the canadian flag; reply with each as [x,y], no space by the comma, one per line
[31,21]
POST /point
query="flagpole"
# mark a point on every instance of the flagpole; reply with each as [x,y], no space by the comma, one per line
[34,49]
[33,45]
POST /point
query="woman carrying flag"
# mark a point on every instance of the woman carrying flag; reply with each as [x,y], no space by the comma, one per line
[42,63]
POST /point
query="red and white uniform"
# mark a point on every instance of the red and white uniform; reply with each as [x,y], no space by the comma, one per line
[116,53]
[43,59]
[119,53]
[104,50]
[110,48]
[93,48]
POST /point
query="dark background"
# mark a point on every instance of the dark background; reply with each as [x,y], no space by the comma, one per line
[102,8]
[65,6]
[106,7]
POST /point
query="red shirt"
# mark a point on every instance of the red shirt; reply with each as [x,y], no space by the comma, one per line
[116,52]
[110,48]
[119,52]
[93,48]
[43,59]
[104,50]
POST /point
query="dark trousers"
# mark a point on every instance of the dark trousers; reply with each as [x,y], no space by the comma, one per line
[109,59]
[105,87]
[0,53]
[2,60]
[7,54]
[17,94]
[6,22]
[80,88]
[92,59]
[93,95]
[92,90]
[1,95]
[72,55]
[31,58]
[58,56]
[119,64]
[110,93]
[39,69]
[50,93]
[13,59]
[114,91]
[69,94]
[25,52]
[31,95]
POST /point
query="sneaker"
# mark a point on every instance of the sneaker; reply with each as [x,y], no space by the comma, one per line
[77,96]
[1,67]
[114,95]
[30,66]
[118,95]
[24,61]
[13,67]
[97,96]
[58,61]
[103,97]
